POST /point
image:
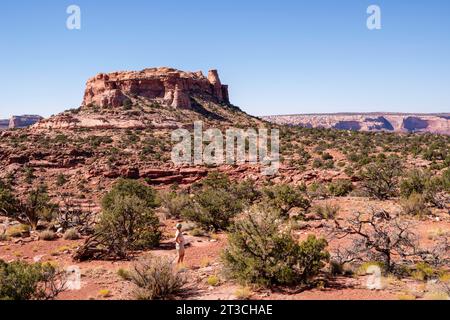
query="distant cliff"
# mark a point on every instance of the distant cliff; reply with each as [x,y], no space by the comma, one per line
[390,122]
[19,121]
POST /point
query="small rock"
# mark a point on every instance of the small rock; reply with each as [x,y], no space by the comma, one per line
[38,258]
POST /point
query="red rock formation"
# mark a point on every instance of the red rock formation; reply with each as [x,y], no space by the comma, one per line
[19,122]
[165,86]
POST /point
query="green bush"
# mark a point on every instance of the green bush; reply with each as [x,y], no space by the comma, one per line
[414,182]
[380,179]
[262,251]
[30,211]
[213,208]
[216,201]
[173,203]
[128,224]
[22,281]
[327,211]
[283,198]
[132,188]
[17,231]
[61,180]
[340,188]
[423,183]
[446,180]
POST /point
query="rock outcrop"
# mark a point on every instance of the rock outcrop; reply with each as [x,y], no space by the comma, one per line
[4,124]
[165,86]
[389,122]
[19,122]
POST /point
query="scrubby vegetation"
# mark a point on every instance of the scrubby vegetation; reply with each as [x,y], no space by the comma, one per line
[380,179]
[266,220]
[29,211]
[23,281]
[155,279]
[262,250]
[128,222]
[216,201]
[386,238]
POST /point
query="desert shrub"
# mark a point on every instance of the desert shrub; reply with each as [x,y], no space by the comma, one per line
[22,281]
[127,104]
[212,209]
[173,203]
[283,198]
[156,279]
[340,188]
[317,163]
[380,236]
[414,182]
[8,201]
[127,222]
[415,205]
[71,215]
[247,191]
[423,271]
[243,293]
[29,211]
[262,251]
[18,231]
[104,293]
[336,268]
[380,179]
[47,235]
[326,156]
[216,201]
[29,175]
[213,281]
[446,179]
[61,180]
[197,232]
[124,274]
[124,187]
[318,191]
[328,211]
[71,234]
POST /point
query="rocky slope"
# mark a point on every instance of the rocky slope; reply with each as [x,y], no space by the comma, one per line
[390,122]
[19,122]
[106,139]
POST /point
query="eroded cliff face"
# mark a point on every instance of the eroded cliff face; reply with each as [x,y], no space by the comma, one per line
[4,124]
[19,122]
[433,123]
[165,86]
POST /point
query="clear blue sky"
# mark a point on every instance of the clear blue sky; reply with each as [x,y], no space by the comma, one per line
[279,57]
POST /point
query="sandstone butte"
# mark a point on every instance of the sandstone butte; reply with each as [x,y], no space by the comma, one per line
[165,86]
[19,121]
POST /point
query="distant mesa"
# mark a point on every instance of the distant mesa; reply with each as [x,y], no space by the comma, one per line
[19,121]
[165,86]
[387,122]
